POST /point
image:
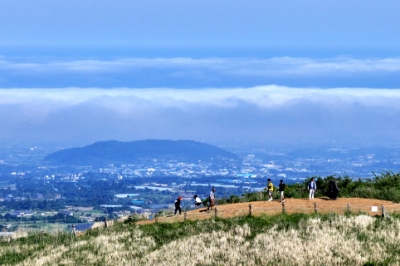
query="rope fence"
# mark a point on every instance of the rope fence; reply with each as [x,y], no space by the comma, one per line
[226,211]
[284,208]
[244,209]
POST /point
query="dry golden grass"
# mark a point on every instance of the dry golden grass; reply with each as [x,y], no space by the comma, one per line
[339,240]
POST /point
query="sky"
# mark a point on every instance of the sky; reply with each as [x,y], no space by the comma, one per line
[223,72]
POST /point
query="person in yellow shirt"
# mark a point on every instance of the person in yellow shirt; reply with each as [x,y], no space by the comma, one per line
[270,188]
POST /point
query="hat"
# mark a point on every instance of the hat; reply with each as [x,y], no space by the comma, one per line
[269,179]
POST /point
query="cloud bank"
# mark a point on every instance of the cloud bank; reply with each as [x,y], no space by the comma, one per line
[269,114]
[305,66]
[186,72]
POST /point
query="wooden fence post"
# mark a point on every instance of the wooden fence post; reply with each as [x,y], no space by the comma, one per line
[73,230]
[216,211]
[156,218]
[105,222]
[185,216]
[315,207]
[250,210]
[348,208]
[385,214]
[283,207]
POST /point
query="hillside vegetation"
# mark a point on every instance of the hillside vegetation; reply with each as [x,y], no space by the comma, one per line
[267,240]
[296,239]
[384,186]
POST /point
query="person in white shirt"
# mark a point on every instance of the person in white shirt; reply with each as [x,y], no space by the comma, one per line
[312,187]
[197,201]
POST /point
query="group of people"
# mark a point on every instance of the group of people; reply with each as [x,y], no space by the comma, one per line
[197,202]
[312,188]
[281,189]
[332,192]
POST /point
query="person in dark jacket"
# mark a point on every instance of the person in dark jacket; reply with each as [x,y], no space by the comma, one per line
[178,205]
[282,190]
[333,190]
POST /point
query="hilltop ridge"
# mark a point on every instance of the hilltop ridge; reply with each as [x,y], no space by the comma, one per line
[351,239]
[106,152]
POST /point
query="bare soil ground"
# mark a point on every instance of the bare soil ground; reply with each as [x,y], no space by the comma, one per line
[319,205]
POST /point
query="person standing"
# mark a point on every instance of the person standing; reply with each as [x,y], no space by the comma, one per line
[282,190]
[270,188]
[312,187]
[178,205]
[333,190]
[211,199]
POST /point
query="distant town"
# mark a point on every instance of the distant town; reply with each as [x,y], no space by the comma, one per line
[37,196]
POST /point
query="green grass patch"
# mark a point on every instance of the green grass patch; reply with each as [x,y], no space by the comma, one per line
[165,233]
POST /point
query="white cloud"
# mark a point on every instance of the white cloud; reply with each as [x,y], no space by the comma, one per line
[264,113]
[262,96]
[227,66]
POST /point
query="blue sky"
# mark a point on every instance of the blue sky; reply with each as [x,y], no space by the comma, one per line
[270,72]
[200,23]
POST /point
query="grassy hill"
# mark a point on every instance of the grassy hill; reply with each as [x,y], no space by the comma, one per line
[297,239]
[352,238]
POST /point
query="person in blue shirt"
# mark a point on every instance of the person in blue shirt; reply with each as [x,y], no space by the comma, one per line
[312,187]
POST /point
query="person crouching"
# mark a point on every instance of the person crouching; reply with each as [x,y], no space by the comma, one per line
[197,201]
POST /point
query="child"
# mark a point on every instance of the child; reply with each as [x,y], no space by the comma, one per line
[197,201]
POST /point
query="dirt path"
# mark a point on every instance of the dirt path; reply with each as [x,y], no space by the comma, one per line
[320,205]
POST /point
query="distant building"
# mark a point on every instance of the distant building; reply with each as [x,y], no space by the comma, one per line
[67,213]
[138,202]
[122,196]
[136,208]
[21,213]
[111,206]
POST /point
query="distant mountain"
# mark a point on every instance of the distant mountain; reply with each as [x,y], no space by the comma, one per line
[107,152]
